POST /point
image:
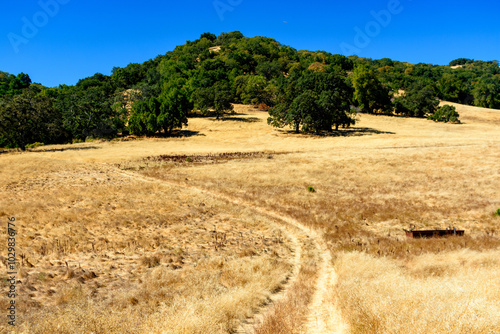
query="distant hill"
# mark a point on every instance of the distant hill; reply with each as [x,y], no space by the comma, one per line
[236,55]
[212,72]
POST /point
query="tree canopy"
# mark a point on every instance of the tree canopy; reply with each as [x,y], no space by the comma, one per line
[310,91]
[313,101]
[369,93]
[419,100]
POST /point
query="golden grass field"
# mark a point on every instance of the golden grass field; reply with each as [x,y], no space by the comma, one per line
[214,231]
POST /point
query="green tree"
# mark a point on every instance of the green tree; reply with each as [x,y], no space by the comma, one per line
[88,113]
[227,38]
[454,88]
[417,101]
[445,114]
[13,85]
[209,73]
[175,105]
[241,61]
[369,93]
[283,114]
[169,69]
[216,99]
[99,82]
[144,117]
[461,61]
[268,69]
[342,62]
[27,118]
[20,82]
[312,102]
[211,37]
[164,113]
[307,109]
[487,92]
[128,76]
[253,89]
[337,110]
[334,98]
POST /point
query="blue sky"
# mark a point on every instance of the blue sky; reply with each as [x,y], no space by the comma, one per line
[61,41]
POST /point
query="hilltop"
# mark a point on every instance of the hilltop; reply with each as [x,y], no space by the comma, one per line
[309,91]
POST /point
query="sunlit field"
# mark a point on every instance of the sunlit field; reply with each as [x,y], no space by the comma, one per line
[234,226]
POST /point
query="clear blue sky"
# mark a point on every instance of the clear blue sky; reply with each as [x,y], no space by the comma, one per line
[76,39]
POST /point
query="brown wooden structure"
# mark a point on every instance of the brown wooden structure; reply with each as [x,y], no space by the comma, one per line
[415,234]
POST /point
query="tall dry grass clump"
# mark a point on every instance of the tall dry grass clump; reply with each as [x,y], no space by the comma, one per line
[456,292]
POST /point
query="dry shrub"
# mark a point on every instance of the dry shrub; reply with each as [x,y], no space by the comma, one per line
[455,292]
[150,261]
[264,107]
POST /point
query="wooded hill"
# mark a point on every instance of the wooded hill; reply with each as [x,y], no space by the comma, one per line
[310,91]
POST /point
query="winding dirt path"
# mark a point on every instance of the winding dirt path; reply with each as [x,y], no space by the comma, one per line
[323,314]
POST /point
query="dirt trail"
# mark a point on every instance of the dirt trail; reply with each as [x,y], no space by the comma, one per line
[248,326]
[324,315]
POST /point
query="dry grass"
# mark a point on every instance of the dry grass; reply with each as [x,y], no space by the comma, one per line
[455,292]
[427,174]
[288,316]
[477,115]
[104,253]
[211,298]
[371,182]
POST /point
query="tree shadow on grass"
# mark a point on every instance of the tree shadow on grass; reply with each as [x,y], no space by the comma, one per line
[174,134]
[42,150]
[162,135]
[213,114]
[46,150]
[184,133]
[349,132]
[240,119]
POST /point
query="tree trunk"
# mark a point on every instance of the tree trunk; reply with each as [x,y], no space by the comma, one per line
[22,142]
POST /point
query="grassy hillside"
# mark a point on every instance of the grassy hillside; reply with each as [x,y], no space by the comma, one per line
[124,236]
